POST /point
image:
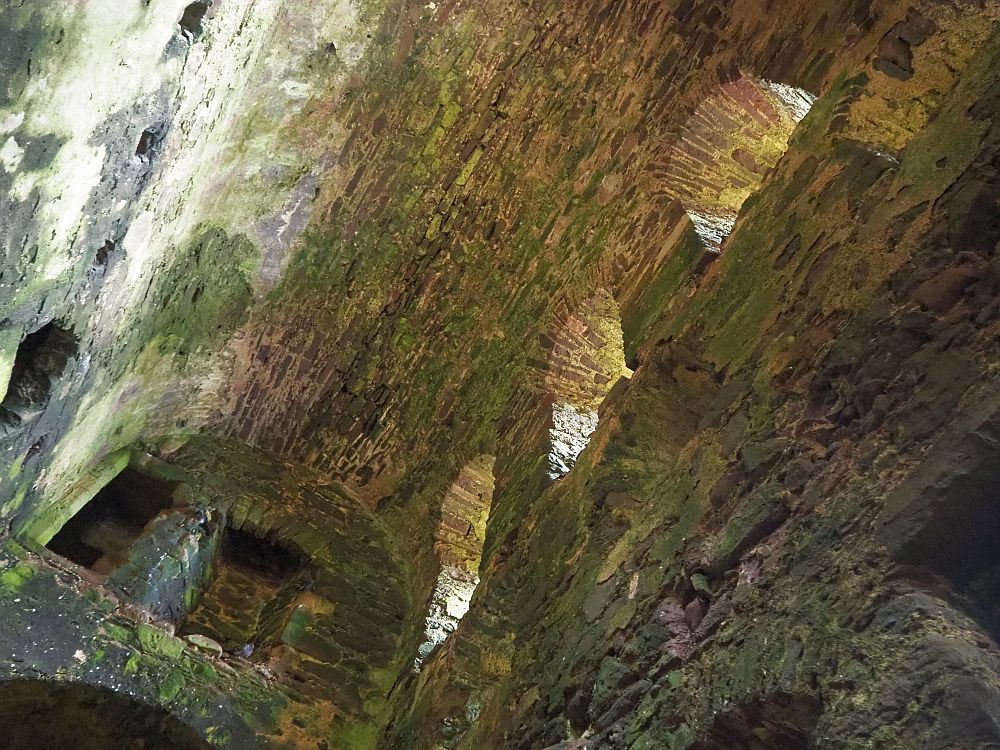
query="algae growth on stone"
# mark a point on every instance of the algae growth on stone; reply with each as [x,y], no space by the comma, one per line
[615,374]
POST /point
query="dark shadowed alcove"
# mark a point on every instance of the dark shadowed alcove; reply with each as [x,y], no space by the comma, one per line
[41,357]
[193,18]
[951,525]
[100,534]
[778,722]
[71,716]
[254,582]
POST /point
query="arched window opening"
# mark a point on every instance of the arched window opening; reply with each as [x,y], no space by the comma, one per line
[41,358]
[586,359]
[103,531]
[71,716]
[459,543]
[779,722]
[727,147]
[253,589]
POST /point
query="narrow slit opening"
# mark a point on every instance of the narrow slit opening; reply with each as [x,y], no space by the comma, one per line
[586,360]
[459,542]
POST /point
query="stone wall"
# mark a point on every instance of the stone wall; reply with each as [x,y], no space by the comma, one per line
[148,197]
[336,234]
[505,146]
[714,571]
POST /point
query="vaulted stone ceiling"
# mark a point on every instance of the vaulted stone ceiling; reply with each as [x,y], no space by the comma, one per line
[671,323]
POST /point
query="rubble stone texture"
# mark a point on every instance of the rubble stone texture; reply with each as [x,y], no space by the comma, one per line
[317,282]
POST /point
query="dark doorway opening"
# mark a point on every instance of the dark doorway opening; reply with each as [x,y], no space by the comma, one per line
[148,142]
[100,534]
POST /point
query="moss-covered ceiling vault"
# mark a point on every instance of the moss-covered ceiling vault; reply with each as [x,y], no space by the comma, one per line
[617,374]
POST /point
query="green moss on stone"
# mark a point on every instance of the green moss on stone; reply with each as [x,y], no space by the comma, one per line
[159,641]
[49,519]
[132,664]
[171,685]
[14,578]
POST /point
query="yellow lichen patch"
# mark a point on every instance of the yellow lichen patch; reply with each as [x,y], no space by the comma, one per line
[890,111]
[496,661]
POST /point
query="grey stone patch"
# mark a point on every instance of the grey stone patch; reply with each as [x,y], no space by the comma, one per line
[50,622]
[170,560]
[132,138]
[19,244]
[25,38]
[177,47]
[280,231]
[124,177]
